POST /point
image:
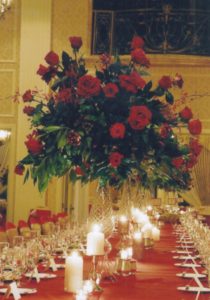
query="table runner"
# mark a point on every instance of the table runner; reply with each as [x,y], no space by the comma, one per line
[155,279]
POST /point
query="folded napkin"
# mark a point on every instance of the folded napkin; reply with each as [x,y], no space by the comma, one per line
[9,225]
[22,224]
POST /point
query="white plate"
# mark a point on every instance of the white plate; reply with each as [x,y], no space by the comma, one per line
[42,275]
[190,275]
[187,265]
[194,289]
[22,291]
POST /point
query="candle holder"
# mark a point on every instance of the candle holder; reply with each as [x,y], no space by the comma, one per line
[94,276]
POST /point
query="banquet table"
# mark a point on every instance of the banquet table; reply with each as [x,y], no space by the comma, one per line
[155,279]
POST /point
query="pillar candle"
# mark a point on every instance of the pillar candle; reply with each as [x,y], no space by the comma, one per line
[73,273]
[155,234]
[95,241]
[123,225]
[147,230]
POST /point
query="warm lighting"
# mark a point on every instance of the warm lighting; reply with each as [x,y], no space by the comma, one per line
[4,6]
[4,134]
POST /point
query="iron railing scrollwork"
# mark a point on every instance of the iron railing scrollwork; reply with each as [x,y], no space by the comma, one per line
[165,30]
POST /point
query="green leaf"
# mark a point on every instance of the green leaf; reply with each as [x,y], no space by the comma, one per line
[169,97]
[62,140]
[26,176]
[52,128]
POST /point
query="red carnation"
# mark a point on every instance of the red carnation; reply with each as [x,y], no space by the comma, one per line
[42,70]
[186,113]
[33,144]
[29,110]
[79,171]
[27,96]
[76,42]
[115,159]
[178,81]
[137,42]
[195,147]
[177,162]
[52,58]
[195,127]
[19,169]
[88,86]
[138,56]
[110,90]
[165,82]
[65,95]
[117,131]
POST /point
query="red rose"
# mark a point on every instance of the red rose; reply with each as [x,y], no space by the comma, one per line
[117,131]
[64,95]
[29,110]
[42,70]
[139,111]
[139,117]
[195,127]
[186,113]
[177,162]
[191,162]
[52,58]
[165,130]
[178,81]
[138,56]
[127,84]
[195,147]
[115,159]
[88,86]
[76,42]
[19,169]
[27,96]
[165,82]
[33,144]
[137,42]
[137,80]
[110,90]
[79,171]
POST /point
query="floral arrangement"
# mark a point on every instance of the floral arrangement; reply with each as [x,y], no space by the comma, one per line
[112,127]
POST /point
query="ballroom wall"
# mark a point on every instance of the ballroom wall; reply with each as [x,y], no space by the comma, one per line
[27,32]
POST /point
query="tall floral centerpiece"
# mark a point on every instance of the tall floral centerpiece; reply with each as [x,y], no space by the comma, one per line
[112,127]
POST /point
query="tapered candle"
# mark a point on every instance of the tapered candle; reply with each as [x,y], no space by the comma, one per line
[73,273]
[95,241]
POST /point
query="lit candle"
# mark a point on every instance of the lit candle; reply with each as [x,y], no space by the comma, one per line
[147,230]
[137,238]
[123,224]
[155,234]
[73,273]
[95,241]
[88,286]
[129,252]
[124,254]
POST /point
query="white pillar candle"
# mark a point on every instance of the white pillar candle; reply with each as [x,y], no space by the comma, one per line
[147,230]
[73,273]
[155,234]
[129,252]
[95,241]
[123,224]
[124,254]
[137,238]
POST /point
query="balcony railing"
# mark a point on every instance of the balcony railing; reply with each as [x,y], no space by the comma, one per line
[165,30]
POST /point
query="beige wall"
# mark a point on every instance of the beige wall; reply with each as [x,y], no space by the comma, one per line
[27,33]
